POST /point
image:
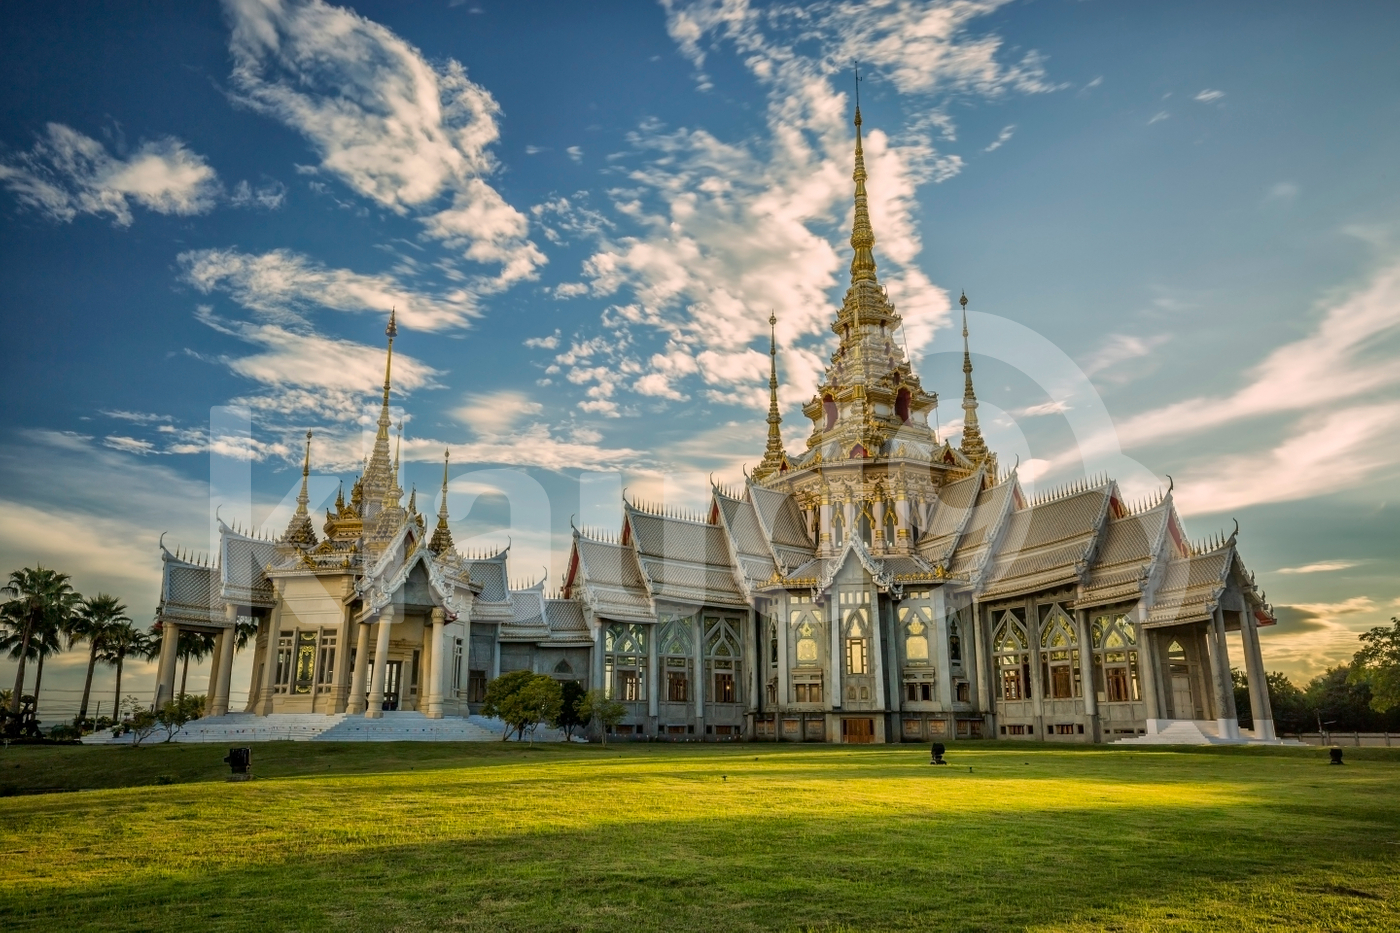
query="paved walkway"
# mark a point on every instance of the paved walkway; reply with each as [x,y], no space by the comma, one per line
[340,727]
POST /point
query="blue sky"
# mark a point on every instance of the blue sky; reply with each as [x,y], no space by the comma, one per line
[585,212]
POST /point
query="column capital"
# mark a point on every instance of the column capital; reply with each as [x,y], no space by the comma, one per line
[439,615]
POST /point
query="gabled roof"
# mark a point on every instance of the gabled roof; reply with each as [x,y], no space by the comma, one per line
[1048,544]
[748,543]
[782,525]
[606,577]
[683,561]
[527,621]
[242,567]
[988,515]
[949,517]
[1191,587]
[1128,550]
[389,573]
[189,592]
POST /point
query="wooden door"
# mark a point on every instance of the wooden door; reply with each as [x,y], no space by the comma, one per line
[858,731]
[391,685]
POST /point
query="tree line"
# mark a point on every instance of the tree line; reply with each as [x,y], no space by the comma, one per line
[43,615]
[1362,695]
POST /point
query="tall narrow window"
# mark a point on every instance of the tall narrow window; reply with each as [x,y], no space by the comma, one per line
[1116,658]
[1059,657]
[1011,650]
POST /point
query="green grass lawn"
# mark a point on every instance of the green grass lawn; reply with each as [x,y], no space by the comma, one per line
[735,837]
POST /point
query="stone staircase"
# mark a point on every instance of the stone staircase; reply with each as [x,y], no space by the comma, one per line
[236,728]
[1194,732]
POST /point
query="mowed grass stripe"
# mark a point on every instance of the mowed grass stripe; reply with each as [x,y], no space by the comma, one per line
[702,837]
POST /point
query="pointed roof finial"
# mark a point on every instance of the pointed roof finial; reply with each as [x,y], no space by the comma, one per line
[299,530]
[862,234]
[972,444]
[442,535]
[773,455]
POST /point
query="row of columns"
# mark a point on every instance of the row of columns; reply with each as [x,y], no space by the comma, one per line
[220,667]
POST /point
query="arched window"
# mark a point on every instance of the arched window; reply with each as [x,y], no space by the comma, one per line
[1012,657]
[954,642]
[675,649]
[857,645]
[829,409]
[772,643]
[563,668]
[901,405]
[916,640]
[1059,658]
[625,662]
[1116,659]
[722,656]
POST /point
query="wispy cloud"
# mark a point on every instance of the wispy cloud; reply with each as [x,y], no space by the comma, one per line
[1158,117]
[1002,137]
[1349,354]
[398,129]
[1120,348]
[68,173]
[284,284]
[495,413]
[712,234]
[1209,96]
[268,197]
[1323,566]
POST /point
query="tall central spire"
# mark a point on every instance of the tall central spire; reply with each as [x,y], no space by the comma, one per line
[862,234]
[442,535]
[972,444]
[774,457]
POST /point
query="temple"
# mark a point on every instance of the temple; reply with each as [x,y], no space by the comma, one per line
[881,585]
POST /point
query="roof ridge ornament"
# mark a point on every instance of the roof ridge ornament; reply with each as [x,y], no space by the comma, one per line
[774,456]
[972,445]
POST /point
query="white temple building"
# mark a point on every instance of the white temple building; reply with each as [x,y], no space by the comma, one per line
[879,586]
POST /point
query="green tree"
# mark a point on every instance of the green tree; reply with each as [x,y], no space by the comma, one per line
[1242,705]
[141,723]
[41,603]
[1288,703]
[95,619]
[1377,664]
[192,646]
[174,715]
[1335,698]
[539,701]
[599,709]
[569,718]
[124,640]
[500,693]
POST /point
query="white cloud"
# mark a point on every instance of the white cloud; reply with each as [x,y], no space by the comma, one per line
[396,128]
[714,234]
[1324,566]
[1282,191]
[1333,452]
[1158,117]
[1002,138]
[1344,357]
[575,153]
[1044,408]
[1207,96]
[1120,348]
[544,343]
[284,284]
[68,173]
[493,414]
[269,197]
[130,445]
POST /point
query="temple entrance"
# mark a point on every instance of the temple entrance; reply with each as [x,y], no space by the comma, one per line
[858,731]
[1182,706]
[391,684]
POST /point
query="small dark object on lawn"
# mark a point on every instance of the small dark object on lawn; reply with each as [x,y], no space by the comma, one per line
[239,761]
[724,777]
[1336,754]
[937,756]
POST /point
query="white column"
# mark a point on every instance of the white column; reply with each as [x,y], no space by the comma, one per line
[781,619]
[1150,670]
[981,665]
[269,674]
[699,629]
[838,659]
[355,703]
[213,673]
[375,708]
[877,645]
[223,672]
[942,660]
[1259,703]
[1086,672]
[902,537]
[827,541]
[1227,723]
[436,665]
[877,534]
[165,677]
[599,633]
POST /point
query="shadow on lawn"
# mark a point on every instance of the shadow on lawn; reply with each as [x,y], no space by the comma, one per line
[1122,868]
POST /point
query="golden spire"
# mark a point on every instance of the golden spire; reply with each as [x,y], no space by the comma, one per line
[442,535]
[377,479]
[972,444]
[393,493]
[773,456]
[300,531]
[862,234]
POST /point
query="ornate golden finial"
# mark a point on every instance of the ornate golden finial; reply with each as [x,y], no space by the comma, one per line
[972,444]
[862,234]
[442,535]
[300,531]
[773,455]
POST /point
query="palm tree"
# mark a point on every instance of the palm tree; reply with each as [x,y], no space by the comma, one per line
[197,645]
[124,640]
[42,601]
[94,621]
